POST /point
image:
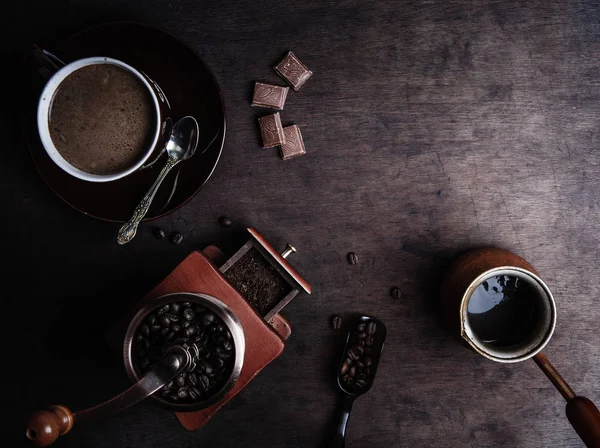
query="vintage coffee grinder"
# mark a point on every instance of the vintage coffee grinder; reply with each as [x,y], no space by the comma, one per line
[234,303]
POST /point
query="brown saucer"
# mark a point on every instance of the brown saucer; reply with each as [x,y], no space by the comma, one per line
[191,89]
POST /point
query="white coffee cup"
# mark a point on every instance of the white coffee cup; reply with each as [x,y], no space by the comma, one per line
[45,107]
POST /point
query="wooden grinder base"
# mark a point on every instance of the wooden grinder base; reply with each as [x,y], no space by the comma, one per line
[264,341]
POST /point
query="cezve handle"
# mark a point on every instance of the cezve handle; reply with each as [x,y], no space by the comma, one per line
[582,413]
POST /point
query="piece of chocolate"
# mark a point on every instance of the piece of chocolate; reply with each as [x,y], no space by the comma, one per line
[294,145]
[293,71]
[271,130]
[267,95]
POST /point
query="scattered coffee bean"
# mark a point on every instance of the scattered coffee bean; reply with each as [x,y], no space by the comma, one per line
[336,322]
[225,221]
[352,258]
[396,292]
[159,233]
[177,238]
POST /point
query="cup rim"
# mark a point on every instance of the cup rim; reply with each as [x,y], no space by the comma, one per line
[523,353]
[45,105]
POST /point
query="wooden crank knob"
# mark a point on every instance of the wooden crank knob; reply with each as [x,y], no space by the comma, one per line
[44,427]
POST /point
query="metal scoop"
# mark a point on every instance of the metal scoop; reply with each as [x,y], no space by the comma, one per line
[357,370]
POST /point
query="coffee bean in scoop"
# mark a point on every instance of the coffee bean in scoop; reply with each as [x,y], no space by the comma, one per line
[355,371]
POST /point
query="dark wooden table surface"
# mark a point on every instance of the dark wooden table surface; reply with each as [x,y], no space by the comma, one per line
[431,127]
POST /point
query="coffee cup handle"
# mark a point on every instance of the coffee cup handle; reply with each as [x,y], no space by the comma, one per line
[44,62]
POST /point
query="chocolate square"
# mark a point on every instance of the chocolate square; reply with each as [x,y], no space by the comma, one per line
[267,95]
[294,144]
[271,130]
[293,71]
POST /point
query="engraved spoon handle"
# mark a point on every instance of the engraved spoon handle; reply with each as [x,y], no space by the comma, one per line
[129,229]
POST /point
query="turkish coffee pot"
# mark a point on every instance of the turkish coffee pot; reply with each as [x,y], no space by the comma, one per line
[188,347]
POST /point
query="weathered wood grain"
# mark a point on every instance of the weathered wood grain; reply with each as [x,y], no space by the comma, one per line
[431,127]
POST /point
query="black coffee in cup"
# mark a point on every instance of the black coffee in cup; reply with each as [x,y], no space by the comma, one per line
[504,310]
[102,119]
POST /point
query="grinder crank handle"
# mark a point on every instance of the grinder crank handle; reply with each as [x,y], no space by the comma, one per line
[582,413]
[44,427]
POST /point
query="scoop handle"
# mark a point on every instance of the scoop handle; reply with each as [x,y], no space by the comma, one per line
[338,436]
[44,427]
[582,413]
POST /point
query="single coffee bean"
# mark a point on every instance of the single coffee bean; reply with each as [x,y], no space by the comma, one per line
[396,292]
[352,371]
[353,354]
[220,328]
[208,319]
[180,380]
[176,328]
[190,331]
[189,314]
[361,383]
[336,322]
[177,238]
[371,328]
[208,369]
[361,343]
[361,327]
[204,381]
[186,323]
[172,317]
[155,328]
[175,308]
[192,379]
[164,320]
[151,319]
[368,361]
[345,378]
[193,395]
[186,304]
[227,345]
[361,335]
[199,309]
[370,341]
[163,309]
[225,221]
[183,392]
[145,330]
[196,391]
[159,233]
[345,368]
[352,258]
[220,363]
[360,365]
